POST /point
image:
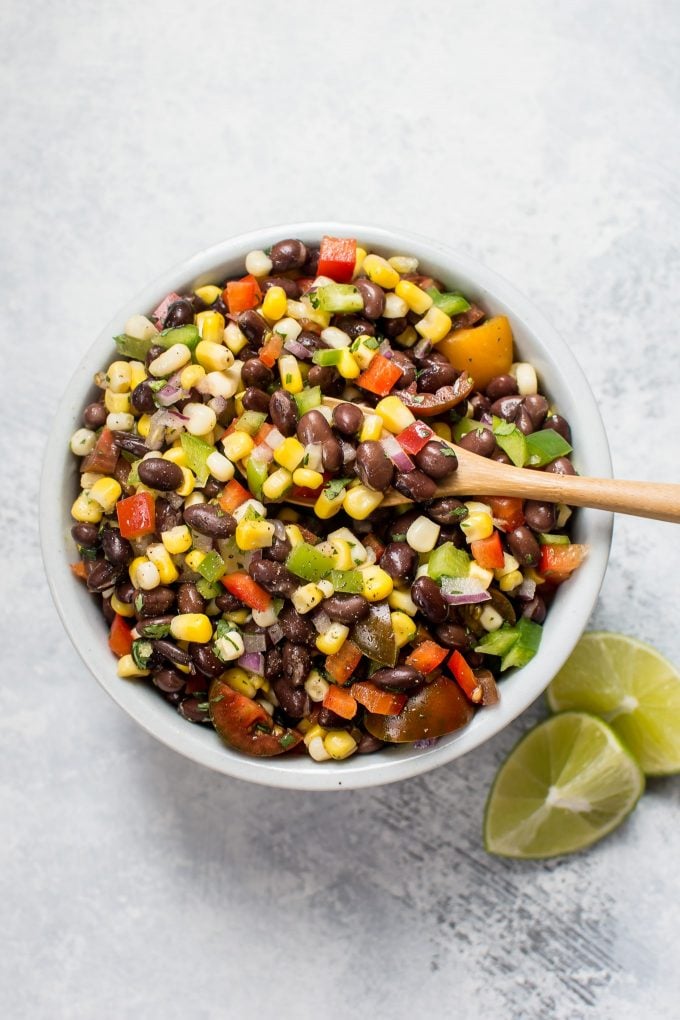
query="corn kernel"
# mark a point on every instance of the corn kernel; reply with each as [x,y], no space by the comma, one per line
[265,617]
[288,514]
[313,732]
[143,425]
[403,627]
[509,564]
[364,355]
[147,576]
[194,559]
[194,627]
[258,263]
[254,535]
[201,419]
[326,508]
[122,608]
[188,482]
[312,314]
[160,557]
[342,553]
[422,535]
[239,681]
[490,619]
[210,326]
[83,442]
[171,360]
[371,429]
[128,668]
[317,750]
[213,357]
[137,374]
[315,686]
[348,367]
[525,375]
[237,445]
[277,484]
[359,261]
[400,600]
[394,414]
[380,271]
[275,304]
[360,502]
[208,294]
[416,298]
[326,588]
[510,581]
[304,725]
[219,467]
[294,535]
[339,744]
[306,597]
[480,573]
[395,307]
[177,540]
[333,639]
[118,377]
[140,328]
[290,453]
[239,616]
[307,478]
[234,339]
[106,492]
[409,338]
[434,325]
[117,403]
[477,525]
[532,575]
[120,422]
[404,263]
[135,564]
[378,584]
[441,429]
[289,371]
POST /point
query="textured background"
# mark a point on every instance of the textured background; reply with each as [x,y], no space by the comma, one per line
[543,138]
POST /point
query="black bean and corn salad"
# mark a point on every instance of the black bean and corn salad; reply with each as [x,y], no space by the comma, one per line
[230,517]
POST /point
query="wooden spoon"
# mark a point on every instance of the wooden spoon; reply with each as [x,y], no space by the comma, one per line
[478,476]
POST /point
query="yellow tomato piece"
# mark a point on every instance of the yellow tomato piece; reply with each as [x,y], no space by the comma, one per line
[484,351]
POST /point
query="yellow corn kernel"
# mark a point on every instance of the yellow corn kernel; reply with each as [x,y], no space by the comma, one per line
[118,376]
[117,403]
[364,355]
[321,318]
[359,261]
[86,510]
[400,600]
[137,373]
[342,554]
[275,304]
[177,540]
[332,640]
[360,502]
[317,751]
[234,338]
[348,367]
[381,272]
[480,573]
[306,597]
[416,298]
[277,484]
[304,725]
[509,564]
[191,376]
[122,608]
[237,445]
[194,559]
[254,535]
[213,356]
[307,478]
[434,325]
[128,668]
[208,294]
[239,616]
[371,428]
[403,627]
[290,453]
[408,338]
[239,681]
[288,515]
[509,582]
[289,371]
[395,416]
[294,535]
[312,732]
[106,492]
[477,525]
[194,627]
[404,263]
[188,482]
[532,575]
[378,584]
[160,557]
[210,326]
[325,507]
[441,429]
[134,567]
[143,425]
[339,744]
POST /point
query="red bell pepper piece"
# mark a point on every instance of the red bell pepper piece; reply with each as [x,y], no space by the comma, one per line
[426,657]
[233,495]
[337,258]
[506,512]
[559,561]
[380,376]
[415,437]
[120,637]
[271,351]
[488,552]
[240,295]
[102,459]
[466,679]
[340,701]
[243,587]
[79,570]
[377,701]
[342,664]
[136,515]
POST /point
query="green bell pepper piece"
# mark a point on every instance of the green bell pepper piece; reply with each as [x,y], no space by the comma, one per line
[337,297]
[308,399]
[465,425]
[187,335]
[308,563]
[514,645]
[511,441]
[553,539]
[350,582]
[449,302]
[498,642]
[545,446]
[212,566]
[208,589]
[328,358]
[197,452]
[448,561]
[131,347]
[250,422]
[256,475]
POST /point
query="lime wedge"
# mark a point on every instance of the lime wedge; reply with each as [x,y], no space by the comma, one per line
[630,686]
[566,784]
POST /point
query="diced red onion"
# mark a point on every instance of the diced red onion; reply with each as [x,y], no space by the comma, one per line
[298,349]
[397,454]
[218,404]
[171,392]
[162,419]
[274,439]
[386,349]
[463,591]
[253,662]
[422,348]
[275,633]
[467,600]
[263,453]
[254,642]
[486,419]
[321,621]
[526,590]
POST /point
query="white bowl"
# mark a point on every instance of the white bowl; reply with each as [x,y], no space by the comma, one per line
[561,378]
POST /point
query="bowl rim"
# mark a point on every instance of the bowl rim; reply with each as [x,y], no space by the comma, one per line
[290,772]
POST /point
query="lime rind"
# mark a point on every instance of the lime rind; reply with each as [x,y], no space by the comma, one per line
[568,783]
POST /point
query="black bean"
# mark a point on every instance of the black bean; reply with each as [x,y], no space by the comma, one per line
[283,412]
[369,744]
[330,381]
[447,510]
[374,298]
[293,699]
[205,660]
[207,519]
[108,610]
[295,627]
[408,370]
[354,326]
[346,609]
[311,263]
[507,407]
[453,635]
[400,561]
[500,456]
[311,342]
[228,603]
[416,485]
[539,516]
[150,626]
[86,535]
[180,313]
[273,577]
[437,460]
[167,517]
[453,535]
[393,328]
[313,428]
[212,488]
[252,325]
[131,444]
[194,709]
[297,662]
[429,599]
[501,386]
[159,473]
[189,599]
[103,575]
[479,405]
[480,441]
[167,649]
[398,678]
[168,680]
[279,550]
[347,419]
[256,373]
[373,466]
[558,424]
[125,591]
[288,254]
[121,473]
[524,421]
[332,721]
[436,375]
[535,609]
[524,546]
[331,455]
[561,466]
[95,415]
[255,400]
[397,528]
[537,407]
[156,602]
[291,287]
[273,663]
[116,548]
